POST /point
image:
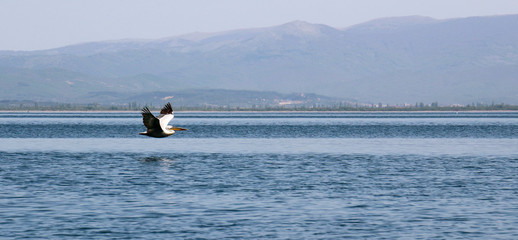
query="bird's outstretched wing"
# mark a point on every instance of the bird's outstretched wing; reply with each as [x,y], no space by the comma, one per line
[166,115]
[150,121]
[167,109]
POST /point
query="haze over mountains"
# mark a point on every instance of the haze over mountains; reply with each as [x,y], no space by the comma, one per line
[392,60]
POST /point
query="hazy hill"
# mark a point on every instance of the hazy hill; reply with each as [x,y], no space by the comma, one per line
[391,60]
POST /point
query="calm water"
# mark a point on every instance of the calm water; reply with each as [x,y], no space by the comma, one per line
[260,176]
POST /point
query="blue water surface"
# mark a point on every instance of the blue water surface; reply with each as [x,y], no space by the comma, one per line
[260,176]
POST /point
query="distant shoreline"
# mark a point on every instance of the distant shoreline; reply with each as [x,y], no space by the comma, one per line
[261,111]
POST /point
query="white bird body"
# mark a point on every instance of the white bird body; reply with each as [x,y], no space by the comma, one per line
[158,126]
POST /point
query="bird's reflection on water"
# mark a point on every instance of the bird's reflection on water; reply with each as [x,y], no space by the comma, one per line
[157,159]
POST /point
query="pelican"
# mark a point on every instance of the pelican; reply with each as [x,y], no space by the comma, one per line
[157,126]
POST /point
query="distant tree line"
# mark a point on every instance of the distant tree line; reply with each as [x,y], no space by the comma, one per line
[342,106]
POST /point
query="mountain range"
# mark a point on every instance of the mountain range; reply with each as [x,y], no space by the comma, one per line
[390,60]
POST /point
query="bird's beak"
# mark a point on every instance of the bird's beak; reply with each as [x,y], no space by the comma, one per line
[178,129]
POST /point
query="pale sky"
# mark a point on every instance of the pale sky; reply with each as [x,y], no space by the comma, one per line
[44,24]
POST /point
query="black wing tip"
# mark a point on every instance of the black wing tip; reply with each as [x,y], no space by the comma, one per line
[167,109]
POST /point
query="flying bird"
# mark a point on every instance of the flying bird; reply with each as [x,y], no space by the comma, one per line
[158,126]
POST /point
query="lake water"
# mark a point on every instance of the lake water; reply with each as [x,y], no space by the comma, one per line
[260,176]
